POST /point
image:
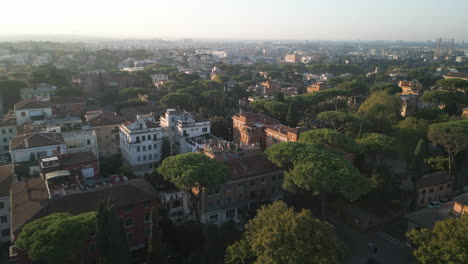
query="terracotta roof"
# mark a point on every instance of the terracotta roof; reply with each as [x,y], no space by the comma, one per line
[36,140]
[251,165]
[7,121]
[6,177]
[30,201]
[77,158]
[27,199]
[31,104]
[463,199]
[105,118]
[67,100]
[433,179]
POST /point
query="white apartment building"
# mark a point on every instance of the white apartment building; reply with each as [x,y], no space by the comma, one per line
[6,177]
[159,79]
[43,91]
[141,141]
[32,147]
[31,109]
[7,132]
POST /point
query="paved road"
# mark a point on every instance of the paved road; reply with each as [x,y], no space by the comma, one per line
[391,249]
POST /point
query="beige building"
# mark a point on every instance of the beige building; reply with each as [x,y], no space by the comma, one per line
[433,187]
[106,126]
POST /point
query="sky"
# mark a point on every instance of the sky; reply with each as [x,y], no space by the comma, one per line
[417,20]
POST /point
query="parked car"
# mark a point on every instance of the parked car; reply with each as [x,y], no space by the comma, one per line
[434,204]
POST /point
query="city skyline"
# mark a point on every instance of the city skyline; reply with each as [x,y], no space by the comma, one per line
[209,19]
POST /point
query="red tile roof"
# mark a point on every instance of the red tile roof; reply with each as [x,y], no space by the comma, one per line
[36,140]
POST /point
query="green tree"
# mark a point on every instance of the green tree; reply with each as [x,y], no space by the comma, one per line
[418,165]
[451,101]
[193,170]
[154,241]
[69,91]
[292,116]
[382,109]
[56,238]
[111,239]
[11,92]
[375,147]
[391,88]
[330,139]
[340,121]
[355,86]
[446,243]
[279,97]
[174,100]
[279,235]
[408,132]
[452,136]
[165,149]
[453,84]
[311,168]
[437,163]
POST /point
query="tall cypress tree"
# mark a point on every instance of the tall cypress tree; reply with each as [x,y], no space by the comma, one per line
[292,115]
[154,241]
[165,149]
[111,239]
[418,159]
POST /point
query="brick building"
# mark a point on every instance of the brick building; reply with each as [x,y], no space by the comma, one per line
[271,87]
[318,86]
[433,187]
[63,106]
[79,164]
[255,181]
[410,87]
[281,133]
[133,200]
[249,128]
[106,126]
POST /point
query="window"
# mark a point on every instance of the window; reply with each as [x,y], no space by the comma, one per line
[137,139]
[6,232]
[150,157]
[147,231]
[228,188]
[441,188]
[143,138]
[147,217]
[204,129]
[423,192]
[262,180]
[217,191]
[2,205]
[144,148]
[92,246]
[4,140]
[88,142]
[176,204]
[10,130]
[252,183]
[230,214]
[144,157]
[146,204]
[23,113]
[129,222]
[3,131]
[214,218]
[155,146]
[138,149]
[431,190]
[129,236]
[3,219]
[149,147]
[155,137]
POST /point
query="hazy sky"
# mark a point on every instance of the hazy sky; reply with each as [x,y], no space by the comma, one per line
[245,19]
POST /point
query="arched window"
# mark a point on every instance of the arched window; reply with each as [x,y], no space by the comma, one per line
[129,222]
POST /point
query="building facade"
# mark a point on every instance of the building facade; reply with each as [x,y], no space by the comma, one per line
[433,187]
[6,178]
[32,147]
[280,133]
[249,128]
[31,110]
[8,131]
[106,127]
